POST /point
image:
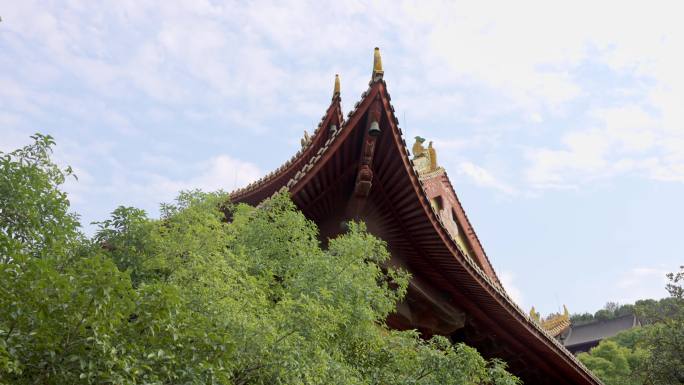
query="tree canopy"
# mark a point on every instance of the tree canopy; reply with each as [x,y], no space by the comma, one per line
[610,311]
[652,354]
[191,298]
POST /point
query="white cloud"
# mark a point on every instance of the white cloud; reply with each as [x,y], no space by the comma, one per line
[221,172]
[95,196]
[584,155]
[12,139]
[625,140]
[484,178]
[244,63]
[640,283]
[503,47]
[508,281]
[491,43]
[224,172]
[524,51]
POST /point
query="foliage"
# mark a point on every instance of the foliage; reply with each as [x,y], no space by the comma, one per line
[652,354]
[610,311]
[651,311]
[34,213]
[62,299]
[193,299]
[618,360]
[127,238]
[581,318]
[666,364]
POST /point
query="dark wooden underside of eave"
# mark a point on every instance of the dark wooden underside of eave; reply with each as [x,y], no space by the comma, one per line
[395,214]
[398,212]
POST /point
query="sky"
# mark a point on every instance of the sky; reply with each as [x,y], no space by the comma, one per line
[560,123]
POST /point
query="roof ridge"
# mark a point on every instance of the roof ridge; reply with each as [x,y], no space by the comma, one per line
[335,104]
[343,126]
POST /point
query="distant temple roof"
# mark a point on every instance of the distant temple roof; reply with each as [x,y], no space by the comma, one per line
[592,333]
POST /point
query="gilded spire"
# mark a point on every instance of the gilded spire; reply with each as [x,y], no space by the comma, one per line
[377,65]
[336,90]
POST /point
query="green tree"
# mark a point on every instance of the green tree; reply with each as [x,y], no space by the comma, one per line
[621,359]
[651,311]
[652,354]
[611,310]
[34,212]
[611,363]
[581,318]
[666,364]
[62,300]
[193,298]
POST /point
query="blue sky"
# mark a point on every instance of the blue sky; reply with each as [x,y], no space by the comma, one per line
[560,124]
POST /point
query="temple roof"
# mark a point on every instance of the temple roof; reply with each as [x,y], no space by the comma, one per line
[328,172]
[596,331]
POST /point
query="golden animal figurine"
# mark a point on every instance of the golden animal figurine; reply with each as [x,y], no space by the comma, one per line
[306,140]
[424,159]
[432,154]
[418,149]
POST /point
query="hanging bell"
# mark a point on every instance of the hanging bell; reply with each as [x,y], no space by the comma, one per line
[374,129]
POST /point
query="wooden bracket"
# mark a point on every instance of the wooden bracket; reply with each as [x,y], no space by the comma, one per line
[364,175]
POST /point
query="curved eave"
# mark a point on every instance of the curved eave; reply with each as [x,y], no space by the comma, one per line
[264,187]
[481,294]
[506,310]
[332,144]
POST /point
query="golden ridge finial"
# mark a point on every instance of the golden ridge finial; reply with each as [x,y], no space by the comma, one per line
[535,315]
[336,89]
[377,65]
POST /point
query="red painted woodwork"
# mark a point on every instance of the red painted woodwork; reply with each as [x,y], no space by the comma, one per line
[347,174]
